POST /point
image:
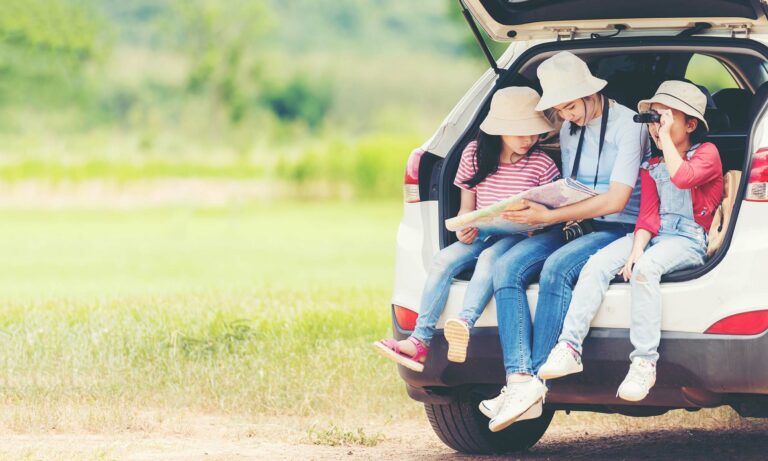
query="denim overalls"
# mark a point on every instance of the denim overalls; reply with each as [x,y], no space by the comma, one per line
[676,206]
[680,244]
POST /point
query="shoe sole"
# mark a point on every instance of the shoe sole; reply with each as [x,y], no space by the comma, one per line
[457,334]
[533,412]
[544,375]
[618,394]
[486,410]
[392,355]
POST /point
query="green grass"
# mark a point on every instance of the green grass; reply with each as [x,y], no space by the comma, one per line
[123,171]
[335,436]
[263,310]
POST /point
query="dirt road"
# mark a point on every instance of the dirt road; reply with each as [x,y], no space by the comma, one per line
[580,437]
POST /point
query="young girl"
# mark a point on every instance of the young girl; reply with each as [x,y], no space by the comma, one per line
[679,191]
[501,162]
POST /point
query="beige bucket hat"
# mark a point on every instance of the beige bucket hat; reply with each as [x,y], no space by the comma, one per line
[564,77]
[513,112]
[683,96]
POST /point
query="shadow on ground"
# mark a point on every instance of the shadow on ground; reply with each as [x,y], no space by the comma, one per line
[681,444]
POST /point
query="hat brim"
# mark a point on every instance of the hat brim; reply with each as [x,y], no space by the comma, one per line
[574,91]
[645,105]
[519,127]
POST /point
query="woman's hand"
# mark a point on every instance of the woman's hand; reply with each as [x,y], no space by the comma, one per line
[626,271]
[467,235]
[533,215]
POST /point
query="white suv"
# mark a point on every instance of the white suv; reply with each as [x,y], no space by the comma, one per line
[714,349]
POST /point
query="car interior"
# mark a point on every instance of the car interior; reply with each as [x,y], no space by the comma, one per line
[634,74]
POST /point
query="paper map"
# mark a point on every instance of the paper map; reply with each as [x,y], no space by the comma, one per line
[553,195]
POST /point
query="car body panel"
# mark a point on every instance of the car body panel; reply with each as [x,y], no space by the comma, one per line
[694,365]
[537,19]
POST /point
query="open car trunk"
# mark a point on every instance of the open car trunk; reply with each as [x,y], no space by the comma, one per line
[634,67]
[507,20]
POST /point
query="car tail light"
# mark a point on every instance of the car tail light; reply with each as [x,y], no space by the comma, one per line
[757,186]
[411,188]
[406,318]
[746,323]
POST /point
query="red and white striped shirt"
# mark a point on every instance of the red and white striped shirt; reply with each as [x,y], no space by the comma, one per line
[510,179]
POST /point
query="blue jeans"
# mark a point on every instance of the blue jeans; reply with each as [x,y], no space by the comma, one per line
[526,344]
[450,262]
[679,245]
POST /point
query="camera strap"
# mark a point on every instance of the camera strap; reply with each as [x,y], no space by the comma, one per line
[603,127]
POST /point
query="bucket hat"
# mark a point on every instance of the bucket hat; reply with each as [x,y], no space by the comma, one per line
[513,112]
[683,96]
[565,77]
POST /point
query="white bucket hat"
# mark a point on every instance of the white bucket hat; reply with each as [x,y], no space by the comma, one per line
[683,96]
[513,112]
[564,77]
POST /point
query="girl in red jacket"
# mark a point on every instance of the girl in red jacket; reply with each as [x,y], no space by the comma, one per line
[679,191]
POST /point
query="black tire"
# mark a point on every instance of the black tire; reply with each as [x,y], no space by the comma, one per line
[461,426]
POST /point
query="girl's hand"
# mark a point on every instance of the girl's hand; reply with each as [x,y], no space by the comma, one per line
[533,215]
[665,124]
[467,235]
[626,271]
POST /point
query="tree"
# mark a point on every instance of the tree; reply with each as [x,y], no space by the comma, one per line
[45,45]
[223,40]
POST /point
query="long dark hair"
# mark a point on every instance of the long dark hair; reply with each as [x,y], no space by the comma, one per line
[488,157]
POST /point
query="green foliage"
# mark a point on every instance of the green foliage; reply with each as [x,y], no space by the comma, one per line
[366,27]
[707,71]
[45,47]
[299,98]
[371,167]
[231,77]
[58,27]
[469,46]
[123,171]
[224,44]
[334,436]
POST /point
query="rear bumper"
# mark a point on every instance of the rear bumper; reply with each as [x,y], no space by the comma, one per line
[694,371]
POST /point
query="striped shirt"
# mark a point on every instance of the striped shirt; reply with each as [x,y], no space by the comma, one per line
[510,179]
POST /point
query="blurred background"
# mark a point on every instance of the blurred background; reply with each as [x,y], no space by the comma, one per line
[327,96]
[199,201]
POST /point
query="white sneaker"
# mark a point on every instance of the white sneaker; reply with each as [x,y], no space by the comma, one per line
[491,406]
[639,380]
[456,332]
[562,361]
[523,401]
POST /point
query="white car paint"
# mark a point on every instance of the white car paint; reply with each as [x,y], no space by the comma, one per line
[737,284]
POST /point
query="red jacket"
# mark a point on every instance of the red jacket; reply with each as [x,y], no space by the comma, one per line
[703,174]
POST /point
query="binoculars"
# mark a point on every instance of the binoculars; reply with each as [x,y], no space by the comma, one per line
[647,117]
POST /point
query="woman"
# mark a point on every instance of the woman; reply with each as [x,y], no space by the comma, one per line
[602,147]
[679,190]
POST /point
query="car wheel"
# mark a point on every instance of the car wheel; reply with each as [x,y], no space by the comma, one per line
[461,426]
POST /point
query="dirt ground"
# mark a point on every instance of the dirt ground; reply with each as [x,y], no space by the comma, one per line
[224,438]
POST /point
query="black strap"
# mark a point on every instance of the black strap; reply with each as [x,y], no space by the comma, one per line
[603,127]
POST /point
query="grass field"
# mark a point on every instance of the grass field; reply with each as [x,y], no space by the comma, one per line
[148,321]
[105,315]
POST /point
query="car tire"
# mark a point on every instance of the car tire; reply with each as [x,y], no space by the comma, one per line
[461,426]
